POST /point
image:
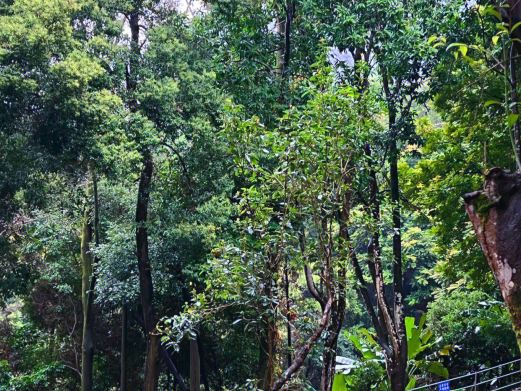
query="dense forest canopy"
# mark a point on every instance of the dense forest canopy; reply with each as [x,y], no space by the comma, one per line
[258,195]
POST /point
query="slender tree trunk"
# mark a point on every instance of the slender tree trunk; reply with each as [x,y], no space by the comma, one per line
[267,353]
[88,282]
[284,25]
[389,323]
[204,367]
[268,336]
[123,355]
[145,274]
[145,180]
[288,313]
[152,362]
[195,366]
[339,305]
[303,351]
[398,370]
[172,368]
[87,346]
[330,347]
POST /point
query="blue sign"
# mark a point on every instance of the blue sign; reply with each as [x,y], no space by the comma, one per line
[444,386]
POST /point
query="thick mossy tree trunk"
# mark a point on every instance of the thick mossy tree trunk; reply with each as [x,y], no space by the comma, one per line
[495,213]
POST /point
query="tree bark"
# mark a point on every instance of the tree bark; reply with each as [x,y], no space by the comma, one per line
[87,346]
[495,213]
[145,180]
[304,350]
[181,386]
[152,362]
[268,336]
[339,305]
[88,282]
[398,369]
[267,353]
[288,313]
[330,345]
[387,320]
[123,354]
[195,366]
[145,274]
[284,25]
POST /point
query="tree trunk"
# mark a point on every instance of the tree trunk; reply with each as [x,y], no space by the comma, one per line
[88,282]
[87,346]
[123,355]
[269,336]
[330,347]
[152,363]
[167,360]
[195,366]
[267,353]
[145,180]
[388,321]
[288,313]
[495,213]
[303,351]
[398,370]
[145,275]
[284,53]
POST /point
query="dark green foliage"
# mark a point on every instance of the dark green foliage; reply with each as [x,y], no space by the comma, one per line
[248,162]
[476,325]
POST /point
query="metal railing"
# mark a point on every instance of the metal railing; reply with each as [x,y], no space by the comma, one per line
[500,377]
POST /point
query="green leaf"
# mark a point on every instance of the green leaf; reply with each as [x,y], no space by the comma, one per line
[461,47]
[491,102]
[454,45]
[409,325]
[339,383]
[369,336]
[514,27]
[411,384]
[431,39]
[422,321]
[361,346]
[438,369]
[512,119]
[495,39]
[426,336]
[491,10]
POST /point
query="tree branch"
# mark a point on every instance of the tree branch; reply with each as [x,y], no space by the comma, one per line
[304,350]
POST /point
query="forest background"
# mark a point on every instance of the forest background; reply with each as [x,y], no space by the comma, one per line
[232,195]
